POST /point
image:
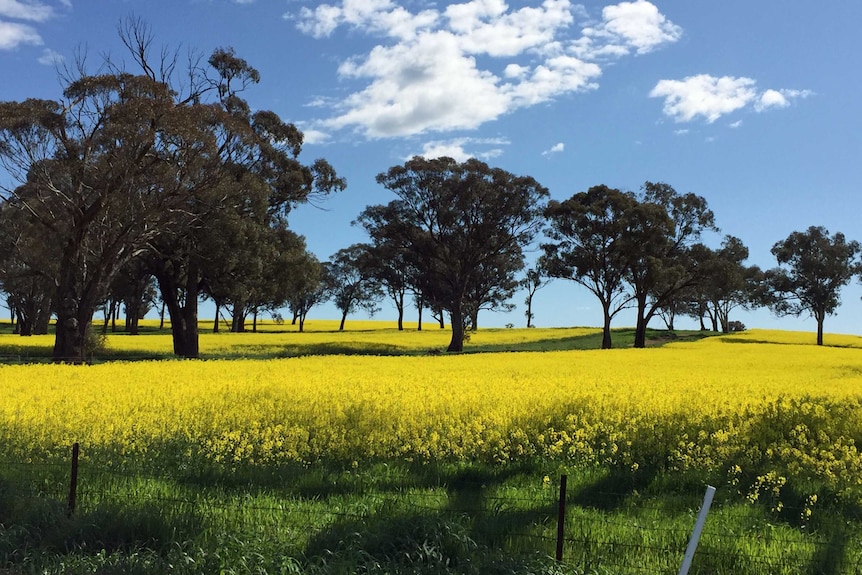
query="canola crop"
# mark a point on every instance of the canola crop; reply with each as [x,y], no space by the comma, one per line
[759,410]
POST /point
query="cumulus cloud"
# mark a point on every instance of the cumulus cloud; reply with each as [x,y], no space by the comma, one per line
[709,97]
[637,26]
[470,63]
[17,19]
[555,149]
[13,34]
[32,11]
[456,148]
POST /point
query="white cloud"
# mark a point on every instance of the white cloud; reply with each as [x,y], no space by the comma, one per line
[50,58]
[680,132]
[710,97]
[555,149]
[455,148]
[313,136]
[736,124]
[634,25]
[771,99]
[704,95]
[778,98]
[472,62]
[32,11]
[375,16]
[427,85]
[515,71]
[13,34]
[484,26]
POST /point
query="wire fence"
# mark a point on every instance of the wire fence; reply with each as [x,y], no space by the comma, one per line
[614,533]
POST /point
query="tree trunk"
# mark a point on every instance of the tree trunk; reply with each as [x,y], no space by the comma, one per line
[529,312]
[419,307]
[457,320]
[301,321]
[254,321]
[399,304]
[25,322]
[820,317]
[70,337]
[76,304]
[474,320]
[132,324]
[43,317]
[640,328]
[606,329]
[184,317]
[216,319]
[133,305]
[343,319]
[237,324]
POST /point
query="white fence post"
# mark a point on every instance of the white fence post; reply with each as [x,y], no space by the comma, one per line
[698,527]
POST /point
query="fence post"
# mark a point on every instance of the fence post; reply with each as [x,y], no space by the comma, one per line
[698,527]
[73,484]
[561,518]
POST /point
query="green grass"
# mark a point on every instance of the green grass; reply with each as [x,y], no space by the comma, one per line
[15,349]
[390,517]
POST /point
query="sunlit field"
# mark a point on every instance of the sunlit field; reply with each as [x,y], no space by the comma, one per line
[769,418]
[284,340]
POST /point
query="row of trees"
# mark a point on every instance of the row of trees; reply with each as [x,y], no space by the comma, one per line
[164,173]
[457,235]
[140,186]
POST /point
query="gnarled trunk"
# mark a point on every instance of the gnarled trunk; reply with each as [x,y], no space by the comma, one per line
[606,329]
[457,320]
[184,316]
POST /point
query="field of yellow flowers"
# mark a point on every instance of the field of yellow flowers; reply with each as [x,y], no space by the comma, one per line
[763,410]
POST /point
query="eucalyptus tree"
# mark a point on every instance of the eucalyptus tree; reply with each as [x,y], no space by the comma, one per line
[726,283]
[28,265]
[259,179]
[96,171]
[664,225]
[592,246]
[307,287]
[812,268]
[464,226]
[388,262]
[534,279]
[351,284]
[494,286]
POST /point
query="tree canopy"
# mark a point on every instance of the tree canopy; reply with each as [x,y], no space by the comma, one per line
[126,165]
[813,267]
[463,227]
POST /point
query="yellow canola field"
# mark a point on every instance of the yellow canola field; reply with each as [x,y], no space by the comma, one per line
[762,412]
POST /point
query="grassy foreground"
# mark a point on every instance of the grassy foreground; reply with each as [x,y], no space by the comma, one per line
[436,464]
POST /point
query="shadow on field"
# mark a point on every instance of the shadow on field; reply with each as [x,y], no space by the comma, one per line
[611,489]
[469,529]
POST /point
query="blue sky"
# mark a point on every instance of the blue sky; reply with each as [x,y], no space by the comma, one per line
[753,105]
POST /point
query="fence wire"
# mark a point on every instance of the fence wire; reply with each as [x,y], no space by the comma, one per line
[641,528]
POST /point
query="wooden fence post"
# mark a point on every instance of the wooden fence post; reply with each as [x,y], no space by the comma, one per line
[73,484]
[561,518]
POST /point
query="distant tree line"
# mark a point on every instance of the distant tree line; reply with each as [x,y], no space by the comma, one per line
[162,187]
